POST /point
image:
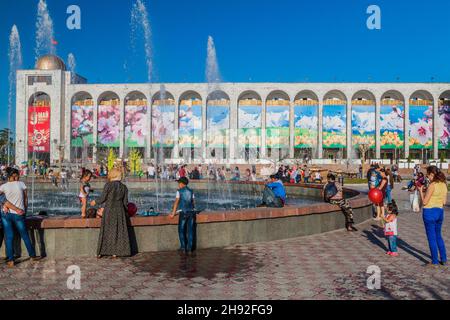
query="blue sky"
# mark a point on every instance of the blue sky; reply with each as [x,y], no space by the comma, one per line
[256,40]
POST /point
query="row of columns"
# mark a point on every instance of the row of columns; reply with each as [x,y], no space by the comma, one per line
[233,138]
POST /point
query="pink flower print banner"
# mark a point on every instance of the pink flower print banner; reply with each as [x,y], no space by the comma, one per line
[136,126]
[109,125]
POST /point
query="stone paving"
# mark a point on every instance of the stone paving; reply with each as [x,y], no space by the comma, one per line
[326,266]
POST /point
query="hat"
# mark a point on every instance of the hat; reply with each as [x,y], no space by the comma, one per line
[183,180]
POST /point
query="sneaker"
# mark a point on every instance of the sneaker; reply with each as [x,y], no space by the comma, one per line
[444,263]
[430,265]
[388,253]
[10,264]
[394,254]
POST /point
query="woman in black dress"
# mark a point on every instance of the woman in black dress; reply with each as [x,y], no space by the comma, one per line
[114,239]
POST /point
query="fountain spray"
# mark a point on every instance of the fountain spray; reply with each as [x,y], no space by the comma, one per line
[44,31]
[15,62]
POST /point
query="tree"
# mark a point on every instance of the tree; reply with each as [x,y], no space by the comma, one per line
[6,146]
[112,157]
[135,161]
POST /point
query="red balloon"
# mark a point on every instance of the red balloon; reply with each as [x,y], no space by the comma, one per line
[376,196]
[132,209]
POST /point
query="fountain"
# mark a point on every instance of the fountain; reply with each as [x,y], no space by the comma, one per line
[140,24]
[44,31]
[72,66]
[15,62]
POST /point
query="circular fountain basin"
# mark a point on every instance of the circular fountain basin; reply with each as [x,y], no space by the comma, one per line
[62,236]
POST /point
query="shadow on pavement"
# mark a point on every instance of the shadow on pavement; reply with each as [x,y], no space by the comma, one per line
[208,263]
[376,236]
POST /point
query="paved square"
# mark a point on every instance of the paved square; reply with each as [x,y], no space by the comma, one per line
[324,266]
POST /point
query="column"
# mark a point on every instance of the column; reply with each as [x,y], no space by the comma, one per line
[122,129]
[205,130]
[95,133]
[263,131]
[349,130]
[176,150]
[148,139]
[291,131]
[435,128]
[406,128]
[233,129]
[377,129]
[320,131]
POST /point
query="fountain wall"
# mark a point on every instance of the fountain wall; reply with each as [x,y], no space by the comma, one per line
[70,236]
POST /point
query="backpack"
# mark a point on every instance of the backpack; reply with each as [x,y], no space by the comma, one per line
[330,191]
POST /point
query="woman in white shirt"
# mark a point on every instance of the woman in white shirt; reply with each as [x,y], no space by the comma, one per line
[15,192]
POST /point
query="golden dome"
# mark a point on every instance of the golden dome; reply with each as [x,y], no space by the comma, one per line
[50,62]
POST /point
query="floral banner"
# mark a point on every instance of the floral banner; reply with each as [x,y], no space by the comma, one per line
[82,125]
[306,126]
[218,126]
[443,127]
[190,122]
[277,127]
[136,126]
[392,122]
[420,127]
[163,126]
[334,126]
[109,125]
[363,125]
[249,124]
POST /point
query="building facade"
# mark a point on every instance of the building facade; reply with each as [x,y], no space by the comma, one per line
[60,117]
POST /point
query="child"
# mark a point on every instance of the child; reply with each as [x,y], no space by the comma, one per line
[390,229]
[85,189]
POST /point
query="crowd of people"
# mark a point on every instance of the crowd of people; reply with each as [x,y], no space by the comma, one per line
[429,189]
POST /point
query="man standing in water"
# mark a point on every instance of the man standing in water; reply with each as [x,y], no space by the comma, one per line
[185,206]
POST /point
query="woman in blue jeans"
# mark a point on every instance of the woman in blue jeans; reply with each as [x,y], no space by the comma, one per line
[15,193]
[433,213]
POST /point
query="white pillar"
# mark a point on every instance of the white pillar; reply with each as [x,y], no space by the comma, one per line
[205,130]
[122,128]
[232,136]
[349,129]
[291,131]
[176,123]
[95,133]
[435,128]
[263,131]
[406,128]
[377,129]
[148,139]
[320,131]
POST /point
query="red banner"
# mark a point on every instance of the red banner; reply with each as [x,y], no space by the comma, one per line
[39,129]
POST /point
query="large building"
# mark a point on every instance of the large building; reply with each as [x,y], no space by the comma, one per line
[60,117]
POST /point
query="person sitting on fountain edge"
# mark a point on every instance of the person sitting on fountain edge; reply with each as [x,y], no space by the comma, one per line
[333,193]
[274,194]
[185,206]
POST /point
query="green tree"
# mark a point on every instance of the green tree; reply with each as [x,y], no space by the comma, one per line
[112,157]
[135,162]
[6,145]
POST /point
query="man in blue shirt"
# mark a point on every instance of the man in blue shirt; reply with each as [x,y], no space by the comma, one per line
[274,194]
[185,206]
